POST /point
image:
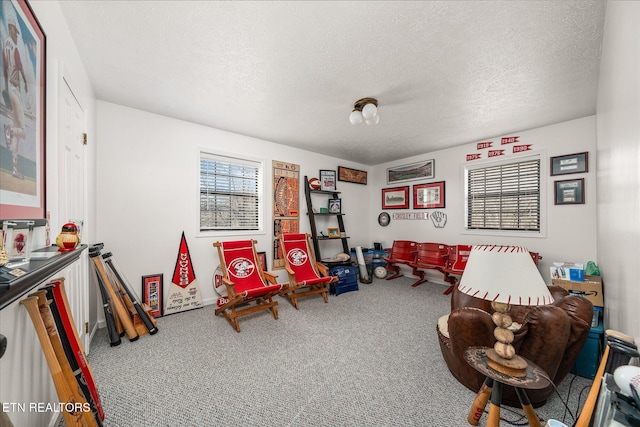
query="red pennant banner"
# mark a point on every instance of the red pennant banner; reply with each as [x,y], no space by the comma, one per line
[495,153]
[183,274]
[485,144]
[509,140]
[473,156]
[521,148]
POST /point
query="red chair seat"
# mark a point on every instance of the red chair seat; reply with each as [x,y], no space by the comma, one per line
[306,276]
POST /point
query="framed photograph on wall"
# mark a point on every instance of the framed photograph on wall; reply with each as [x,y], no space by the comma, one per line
[335,206]
[152,294]
[429,196]
[569,192]
[571,163]
[262,256]
[395,198]
[352,175]
[327,180]
[411,172]
[22,118]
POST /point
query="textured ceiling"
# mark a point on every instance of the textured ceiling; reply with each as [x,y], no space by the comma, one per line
[445,73]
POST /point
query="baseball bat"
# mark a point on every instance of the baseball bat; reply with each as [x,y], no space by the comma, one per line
[586,414]
[494,407]
[114,336]
[144,316]
[73,418]
[121,310]
[480,402]
[533,419]
[74,378]
[57,293]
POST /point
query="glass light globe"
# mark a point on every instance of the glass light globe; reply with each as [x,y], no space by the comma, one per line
[369,111]
[373,121]
[355,117]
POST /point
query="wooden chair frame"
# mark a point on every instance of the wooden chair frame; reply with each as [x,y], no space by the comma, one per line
[239,300]
[317,279]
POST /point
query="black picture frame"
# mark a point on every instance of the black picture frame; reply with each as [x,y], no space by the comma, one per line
[335,206]
[425,169]
[327,180]
[352,175]
[569,192]
[570,163]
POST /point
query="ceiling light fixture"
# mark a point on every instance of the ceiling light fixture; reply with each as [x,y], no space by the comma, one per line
[365,110]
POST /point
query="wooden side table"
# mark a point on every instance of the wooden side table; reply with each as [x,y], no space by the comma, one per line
[535,378]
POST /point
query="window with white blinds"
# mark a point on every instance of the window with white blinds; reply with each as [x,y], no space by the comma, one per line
[504,197]
[230,193]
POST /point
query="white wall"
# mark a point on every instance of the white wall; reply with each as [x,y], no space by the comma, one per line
[25,376]
[618,131]
[570,229]
[148,185]
[63,61]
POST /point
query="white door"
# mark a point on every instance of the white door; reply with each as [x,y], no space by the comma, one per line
[71,186]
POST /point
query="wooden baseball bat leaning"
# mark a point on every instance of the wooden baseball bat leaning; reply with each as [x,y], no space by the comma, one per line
[57,293]
[586,414]
[118,306]
[114,335]
[146,319]
[480,402]
[70,410]
[74,379]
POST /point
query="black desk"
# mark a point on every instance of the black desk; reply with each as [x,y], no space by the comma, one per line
[36,270]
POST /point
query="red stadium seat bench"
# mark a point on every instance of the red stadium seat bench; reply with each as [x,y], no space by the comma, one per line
[402,252]
[430,256]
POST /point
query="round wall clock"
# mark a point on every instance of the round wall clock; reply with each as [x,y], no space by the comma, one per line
[384,219]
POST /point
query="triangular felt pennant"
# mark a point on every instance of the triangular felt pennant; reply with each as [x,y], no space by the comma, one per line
[184,293]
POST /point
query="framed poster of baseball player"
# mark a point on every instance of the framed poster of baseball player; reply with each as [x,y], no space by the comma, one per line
[22,113]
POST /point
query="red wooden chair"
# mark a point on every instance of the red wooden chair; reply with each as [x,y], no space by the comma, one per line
[456,262]
[430,256]
[306,276]
[402,252]
[246,282]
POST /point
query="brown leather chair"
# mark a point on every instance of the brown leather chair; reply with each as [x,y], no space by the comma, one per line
[550,336]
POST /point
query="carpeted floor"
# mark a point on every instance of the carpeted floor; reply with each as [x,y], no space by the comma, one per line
[367,358]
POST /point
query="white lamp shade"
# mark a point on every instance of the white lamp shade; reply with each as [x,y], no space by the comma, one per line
[355,117]
[504,274]
[368,111]
[373,121]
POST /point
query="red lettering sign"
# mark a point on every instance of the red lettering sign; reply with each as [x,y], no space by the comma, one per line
[494,153]
[473,156]
[521,148]
[509,140]
[485,144]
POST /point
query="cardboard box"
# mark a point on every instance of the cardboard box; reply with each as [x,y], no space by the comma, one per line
[568,271]
[591,288]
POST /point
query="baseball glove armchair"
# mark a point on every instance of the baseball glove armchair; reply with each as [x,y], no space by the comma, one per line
[550,336]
